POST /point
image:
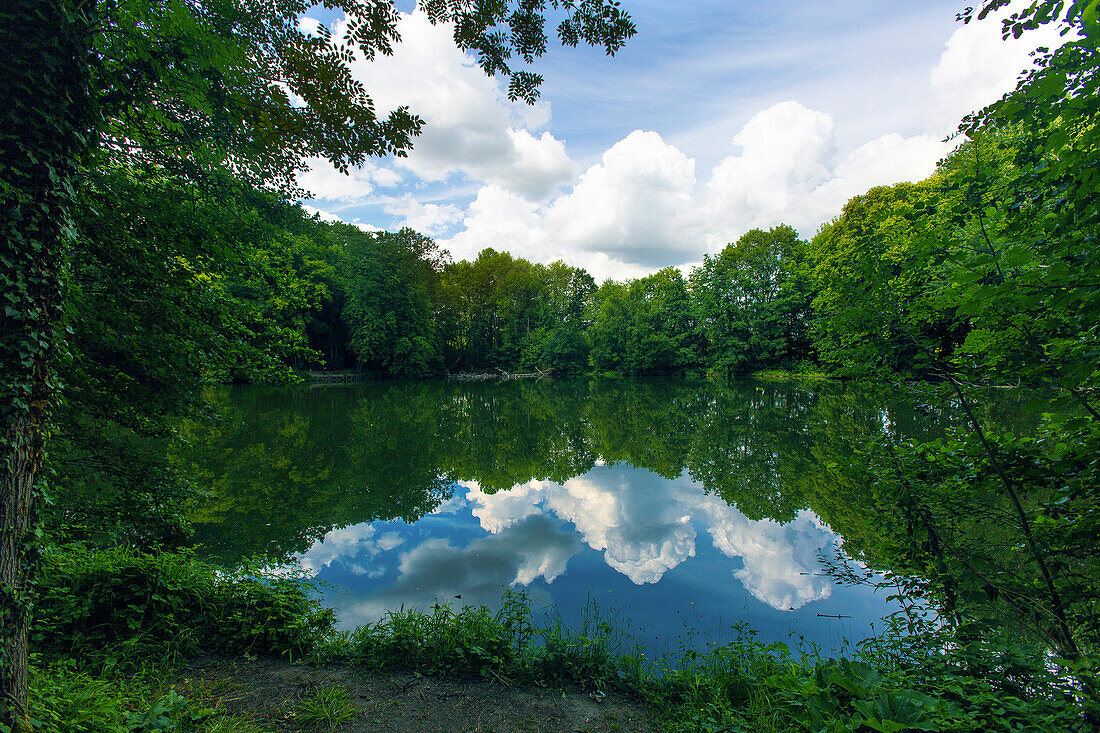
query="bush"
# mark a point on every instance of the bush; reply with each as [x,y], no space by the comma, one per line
[469,642]
[113,605]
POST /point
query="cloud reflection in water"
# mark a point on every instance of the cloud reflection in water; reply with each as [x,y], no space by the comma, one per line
[643,524]
[436,571]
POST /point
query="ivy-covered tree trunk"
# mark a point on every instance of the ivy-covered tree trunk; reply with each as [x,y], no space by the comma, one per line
[44,128]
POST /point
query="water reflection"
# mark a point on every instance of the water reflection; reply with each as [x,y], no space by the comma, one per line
[675,501]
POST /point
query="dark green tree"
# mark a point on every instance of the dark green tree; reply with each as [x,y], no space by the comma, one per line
[645,326]
[391,283]
[662,335]
[876,281]
[612,322]
[562,343]
[44,134]
[172,285]
[1001,243]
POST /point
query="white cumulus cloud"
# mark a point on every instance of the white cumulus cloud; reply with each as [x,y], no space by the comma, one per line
[626,215]
[426,218]
[978,66]
[323,181]
[470,126]
[642,204]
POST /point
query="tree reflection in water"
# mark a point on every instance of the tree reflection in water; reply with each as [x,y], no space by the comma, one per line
[429,491]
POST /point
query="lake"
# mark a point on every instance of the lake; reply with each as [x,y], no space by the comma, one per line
[683,507]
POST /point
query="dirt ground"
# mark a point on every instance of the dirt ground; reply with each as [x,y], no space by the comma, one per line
[268,692]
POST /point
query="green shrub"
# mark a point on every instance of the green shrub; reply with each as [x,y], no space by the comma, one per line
[897,682]
[469,642]
[121,609]
[111,605]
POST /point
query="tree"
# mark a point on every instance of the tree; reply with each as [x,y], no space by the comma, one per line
[563,346]
[876,278]
[45,128]
[752,302]
[391,283]
[612,323]
[664,325]
[191,87]
[1028,280]
[1008,254]
[1037,239]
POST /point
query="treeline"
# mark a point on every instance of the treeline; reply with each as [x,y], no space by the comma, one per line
[248,284]
[394,304]
[245,283]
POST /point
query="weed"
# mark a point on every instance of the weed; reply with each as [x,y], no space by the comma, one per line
[326,708]
[232,724]
[66,700]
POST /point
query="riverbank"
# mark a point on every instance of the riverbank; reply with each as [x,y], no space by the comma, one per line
[218,693]
[275,694]
[132,642]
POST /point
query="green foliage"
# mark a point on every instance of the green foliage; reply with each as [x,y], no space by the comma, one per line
[45,131]
[66,700]
[472,641]
[112,608]
[645,326]
[390,283]
[500,312]
[190,89]
[752,302]
[875,278]
[986,275]
[900,681]
[521,31]
[326,708]
[946,521]
[597,654]
[224,299]
[913,677]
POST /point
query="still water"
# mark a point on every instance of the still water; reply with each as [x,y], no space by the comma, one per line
[682,506]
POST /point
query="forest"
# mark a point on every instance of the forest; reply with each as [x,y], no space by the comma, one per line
[155,245]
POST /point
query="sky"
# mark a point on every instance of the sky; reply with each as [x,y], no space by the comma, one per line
[719,116]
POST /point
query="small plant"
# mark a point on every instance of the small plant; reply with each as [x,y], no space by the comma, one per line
[326,708]
[231,724]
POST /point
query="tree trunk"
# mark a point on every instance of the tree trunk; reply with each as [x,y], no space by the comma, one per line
[45,131]
[23,448]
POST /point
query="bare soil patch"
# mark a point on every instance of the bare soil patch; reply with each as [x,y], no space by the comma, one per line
[268,692]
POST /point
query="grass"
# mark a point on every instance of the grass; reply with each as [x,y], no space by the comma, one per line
[232,724]
[325,709]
